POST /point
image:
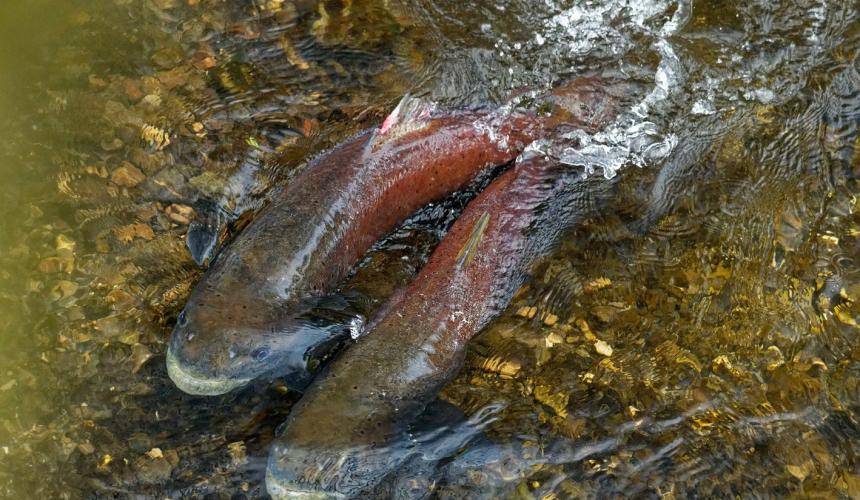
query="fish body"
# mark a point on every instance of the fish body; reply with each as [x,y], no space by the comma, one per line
[249,315]
[352,427]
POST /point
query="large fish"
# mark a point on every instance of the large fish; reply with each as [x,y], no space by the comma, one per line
[250,314]
[352,427]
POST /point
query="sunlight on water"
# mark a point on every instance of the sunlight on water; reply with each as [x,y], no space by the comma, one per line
[697,338]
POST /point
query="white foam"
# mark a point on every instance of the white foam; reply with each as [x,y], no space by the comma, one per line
[632,138]
[634,142]
[703,107]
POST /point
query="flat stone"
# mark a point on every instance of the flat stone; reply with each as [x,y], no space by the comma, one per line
[180,214]
[127,175]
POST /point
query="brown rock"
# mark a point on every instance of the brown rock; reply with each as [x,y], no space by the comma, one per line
[97,83]
[63,289]
[152,470]
[173,78]
[205,62]
[102,245]
[167,57]
[131,231]
[127,175]
[172,457]
[132,90]
[180,214]
[150,85]
[50,265]
[112,145]
[86,448]
[140,354]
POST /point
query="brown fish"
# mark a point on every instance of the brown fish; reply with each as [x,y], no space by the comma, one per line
[249,315]
[352,427]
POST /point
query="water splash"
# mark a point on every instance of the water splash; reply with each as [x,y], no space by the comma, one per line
[631,139]
[638,143]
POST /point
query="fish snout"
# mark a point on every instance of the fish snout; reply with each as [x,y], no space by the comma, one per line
[215,350]
[296,472]
[197,365]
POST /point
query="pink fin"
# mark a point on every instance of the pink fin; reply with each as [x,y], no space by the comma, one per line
[412,113]
[390,121]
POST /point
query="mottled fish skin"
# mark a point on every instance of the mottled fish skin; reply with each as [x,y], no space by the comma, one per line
[352,426]
[245,317]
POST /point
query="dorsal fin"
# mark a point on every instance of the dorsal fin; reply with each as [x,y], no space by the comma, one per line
[471,246]
[412,113]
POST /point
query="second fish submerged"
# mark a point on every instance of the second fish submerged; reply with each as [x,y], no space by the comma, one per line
[248,315]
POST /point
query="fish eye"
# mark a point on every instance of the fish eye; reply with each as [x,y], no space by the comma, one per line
[260,353]
[182,319]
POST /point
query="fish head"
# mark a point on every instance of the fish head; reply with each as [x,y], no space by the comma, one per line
[587,102]
[331,466]
[328,473]
[221,343]
[217,344]
[338,446]
[341,439]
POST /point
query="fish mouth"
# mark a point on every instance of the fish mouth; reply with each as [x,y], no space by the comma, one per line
[279,489]
[193,384]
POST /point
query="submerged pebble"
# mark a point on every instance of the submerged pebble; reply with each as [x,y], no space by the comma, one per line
[127,175]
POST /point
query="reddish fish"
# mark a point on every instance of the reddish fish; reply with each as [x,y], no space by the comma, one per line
[247,316]
[352,426]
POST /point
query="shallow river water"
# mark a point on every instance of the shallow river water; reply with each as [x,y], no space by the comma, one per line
[698,338]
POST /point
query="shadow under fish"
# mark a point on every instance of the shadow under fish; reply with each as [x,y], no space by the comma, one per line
[352,426]
[252,313]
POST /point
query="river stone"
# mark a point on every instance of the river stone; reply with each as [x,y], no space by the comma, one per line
[127,175]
